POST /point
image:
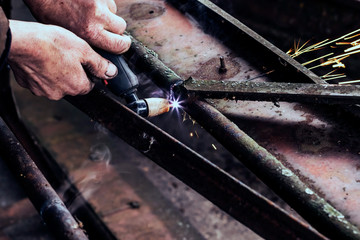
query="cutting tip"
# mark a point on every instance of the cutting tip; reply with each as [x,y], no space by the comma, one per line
[157,106]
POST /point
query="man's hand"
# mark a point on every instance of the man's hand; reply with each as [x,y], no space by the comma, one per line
[95,21]
[51,61]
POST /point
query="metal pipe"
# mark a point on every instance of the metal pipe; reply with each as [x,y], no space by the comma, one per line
[229,194]
[275,91]
[41,194]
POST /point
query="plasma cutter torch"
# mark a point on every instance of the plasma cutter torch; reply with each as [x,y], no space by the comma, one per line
[125,85]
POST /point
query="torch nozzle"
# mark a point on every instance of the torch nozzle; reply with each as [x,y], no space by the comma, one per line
[157,106]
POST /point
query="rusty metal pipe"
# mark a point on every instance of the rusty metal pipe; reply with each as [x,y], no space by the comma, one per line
[41,194]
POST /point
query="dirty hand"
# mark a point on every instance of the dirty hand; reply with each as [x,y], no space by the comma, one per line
[95,21]
[51,61]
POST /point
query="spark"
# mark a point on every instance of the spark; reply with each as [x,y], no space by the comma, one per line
[345,55]
[184,117]
[191,134]
[320,45]
[175,104]
[197,135]
[334,60]
[213,145]
[326,76]
[340,38]
[349,82]
[329,73]
[355,42]
[355,47]
[314,60]
[333,78]
[314,47]
[343,43]
[349,48]
[356,35]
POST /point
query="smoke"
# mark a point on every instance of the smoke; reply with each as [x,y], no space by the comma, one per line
[101,130]
[100,152]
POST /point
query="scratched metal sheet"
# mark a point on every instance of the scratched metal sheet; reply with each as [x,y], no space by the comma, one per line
[323,152]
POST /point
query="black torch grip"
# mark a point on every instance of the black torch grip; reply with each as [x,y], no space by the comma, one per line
[125,82]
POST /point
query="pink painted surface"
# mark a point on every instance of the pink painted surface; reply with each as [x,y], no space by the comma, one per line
[324,152]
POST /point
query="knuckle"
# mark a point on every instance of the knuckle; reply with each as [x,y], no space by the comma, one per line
[55,96]
[90,32]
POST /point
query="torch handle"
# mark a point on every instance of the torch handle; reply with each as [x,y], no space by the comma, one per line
[125,82]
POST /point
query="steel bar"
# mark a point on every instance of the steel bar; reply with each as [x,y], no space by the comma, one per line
[41,194]
[229,194]
[270,170]
[274,91]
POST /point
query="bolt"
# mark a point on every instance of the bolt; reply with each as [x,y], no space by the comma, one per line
[222,68]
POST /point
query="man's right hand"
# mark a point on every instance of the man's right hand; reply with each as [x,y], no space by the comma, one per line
[53,62]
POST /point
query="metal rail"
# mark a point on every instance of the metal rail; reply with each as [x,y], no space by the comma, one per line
[273,91]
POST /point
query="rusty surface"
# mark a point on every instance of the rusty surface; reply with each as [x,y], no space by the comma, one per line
[271,91]
[212,68]
[42,195]
[143,11]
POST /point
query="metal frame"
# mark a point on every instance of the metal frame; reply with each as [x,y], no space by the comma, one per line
[229,194]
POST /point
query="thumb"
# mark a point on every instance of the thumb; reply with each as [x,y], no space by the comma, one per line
[99,66]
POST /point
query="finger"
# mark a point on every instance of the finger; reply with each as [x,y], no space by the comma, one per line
[112,42]
[115,24]
[99,66]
